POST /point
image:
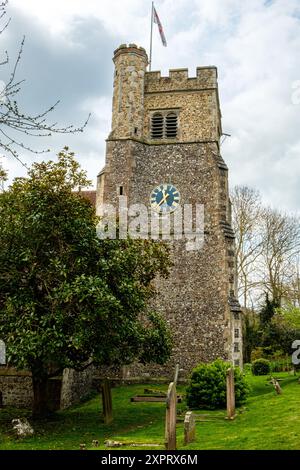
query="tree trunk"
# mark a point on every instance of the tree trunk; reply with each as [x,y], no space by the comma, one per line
[40,399]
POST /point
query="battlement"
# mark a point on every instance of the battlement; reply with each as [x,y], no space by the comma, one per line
[131,49]
[178,79]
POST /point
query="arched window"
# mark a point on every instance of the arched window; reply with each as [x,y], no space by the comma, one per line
[157,126]
[171,126]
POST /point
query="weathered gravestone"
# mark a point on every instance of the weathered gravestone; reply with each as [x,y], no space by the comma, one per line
[189,427]
[2,353]
[230,393]
[171,415]
[106,402]
[276,385]
[22,427]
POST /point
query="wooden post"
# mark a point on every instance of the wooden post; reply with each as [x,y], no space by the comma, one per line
[230,393]
[106,402]
[171,415]
[189,427]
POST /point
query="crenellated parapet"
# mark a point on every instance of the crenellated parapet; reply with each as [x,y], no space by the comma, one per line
[179,80]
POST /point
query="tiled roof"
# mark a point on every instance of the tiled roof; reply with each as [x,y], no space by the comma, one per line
[90,195]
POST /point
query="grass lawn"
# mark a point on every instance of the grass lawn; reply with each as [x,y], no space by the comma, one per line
[267,421]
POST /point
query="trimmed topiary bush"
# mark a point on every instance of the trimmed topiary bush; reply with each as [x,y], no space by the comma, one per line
[261,367]
[207,388]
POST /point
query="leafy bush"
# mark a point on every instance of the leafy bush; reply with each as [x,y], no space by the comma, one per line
[207,388]
[261,367]
[281,365]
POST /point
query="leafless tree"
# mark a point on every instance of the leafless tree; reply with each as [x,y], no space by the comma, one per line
[280,250]
[247,213]
[16,124]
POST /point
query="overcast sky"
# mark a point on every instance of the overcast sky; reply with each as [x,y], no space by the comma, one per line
[254,43]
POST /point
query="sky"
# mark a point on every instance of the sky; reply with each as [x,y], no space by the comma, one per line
[255,44]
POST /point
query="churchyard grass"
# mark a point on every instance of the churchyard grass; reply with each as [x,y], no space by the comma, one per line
[267,421]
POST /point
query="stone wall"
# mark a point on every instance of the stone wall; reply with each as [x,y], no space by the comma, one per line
[195,98]
[76,386]
[195,298]
[16,388]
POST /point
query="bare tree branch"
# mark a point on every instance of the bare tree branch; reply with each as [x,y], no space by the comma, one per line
[13,120]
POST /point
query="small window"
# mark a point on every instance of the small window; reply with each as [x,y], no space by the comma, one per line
[171,126]
[236,333]
[157,125]
[236,347]
[237,363]
[121,191]
[236,315]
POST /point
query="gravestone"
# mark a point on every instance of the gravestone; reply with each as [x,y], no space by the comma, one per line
[2,353]
[276,385]
[22,427]
[230,393]
[171,415]
[106,402]
[189,427]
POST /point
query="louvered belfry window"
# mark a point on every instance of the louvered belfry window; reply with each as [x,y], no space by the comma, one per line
[171,126]
[157,126]
[164,125]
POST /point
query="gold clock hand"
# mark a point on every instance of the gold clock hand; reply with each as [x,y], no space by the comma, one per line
[163,199]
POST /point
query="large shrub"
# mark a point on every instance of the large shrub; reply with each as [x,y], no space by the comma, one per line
[207,388]
[261,367]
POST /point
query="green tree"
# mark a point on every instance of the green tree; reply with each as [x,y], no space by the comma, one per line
[290,315]
[268,311]
[251,333]
[67,298]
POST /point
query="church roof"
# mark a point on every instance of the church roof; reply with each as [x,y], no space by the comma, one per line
[90,195]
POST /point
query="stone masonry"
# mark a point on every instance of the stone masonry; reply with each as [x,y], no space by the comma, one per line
[63,391]
[198,299]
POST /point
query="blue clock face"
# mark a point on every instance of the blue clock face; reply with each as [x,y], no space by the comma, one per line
[165,198]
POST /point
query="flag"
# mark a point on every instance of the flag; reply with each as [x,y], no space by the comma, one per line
[160,28]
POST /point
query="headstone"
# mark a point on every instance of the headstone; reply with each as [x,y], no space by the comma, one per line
[276,386]
[106,402]
[2,353]
[230,393]
[189,427]
[22,427]
[170,430]
[176,374]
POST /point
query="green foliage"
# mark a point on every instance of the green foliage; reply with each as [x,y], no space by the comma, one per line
[67,297]
[207,388]
[273,336]
[289,315]
[268,311]
[261,367]
[251,334]
[257,353]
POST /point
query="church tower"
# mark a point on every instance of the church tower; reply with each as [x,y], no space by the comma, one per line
[164,149]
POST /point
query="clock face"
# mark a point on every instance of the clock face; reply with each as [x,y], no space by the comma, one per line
[165,198]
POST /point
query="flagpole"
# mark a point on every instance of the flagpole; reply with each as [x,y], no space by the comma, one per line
[150,57]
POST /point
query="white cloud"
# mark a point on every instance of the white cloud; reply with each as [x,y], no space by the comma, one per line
[254,43]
